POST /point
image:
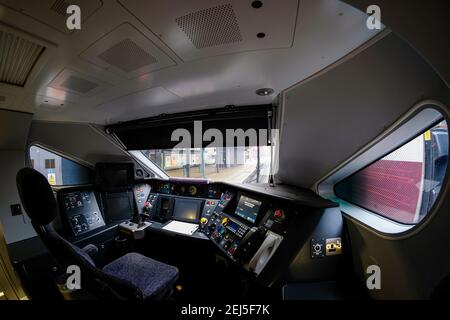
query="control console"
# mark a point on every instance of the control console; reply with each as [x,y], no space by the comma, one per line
[81,211]
[226,232]
[236,238]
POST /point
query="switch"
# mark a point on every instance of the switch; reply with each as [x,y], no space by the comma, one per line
[278,215]
[317,248]
[225,221]
[333,246]
[16,209]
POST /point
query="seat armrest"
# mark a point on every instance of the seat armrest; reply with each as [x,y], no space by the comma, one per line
[91,250]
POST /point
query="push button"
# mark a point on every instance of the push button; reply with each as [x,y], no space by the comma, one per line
[278,215]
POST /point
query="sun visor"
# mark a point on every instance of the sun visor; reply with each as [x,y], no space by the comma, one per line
[230,126]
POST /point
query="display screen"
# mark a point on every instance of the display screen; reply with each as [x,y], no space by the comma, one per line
[233,226]
[118,206]
[248,208]
[115,175]
[187,210]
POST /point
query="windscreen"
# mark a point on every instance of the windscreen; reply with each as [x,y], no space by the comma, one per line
[228,164]
[231,144]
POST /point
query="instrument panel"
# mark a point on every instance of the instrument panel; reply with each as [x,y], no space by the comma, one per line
[188,189]
[81,211]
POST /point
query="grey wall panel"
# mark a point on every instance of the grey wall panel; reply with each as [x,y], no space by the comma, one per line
[330,117]
[424,24]
[81,141]
[14,129]
[16,228]
[411,267]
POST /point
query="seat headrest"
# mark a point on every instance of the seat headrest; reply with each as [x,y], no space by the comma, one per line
[36,196]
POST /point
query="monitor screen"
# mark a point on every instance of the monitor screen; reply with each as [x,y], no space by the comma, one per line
[187,210]
[115,175]
[118,206]
[248,208]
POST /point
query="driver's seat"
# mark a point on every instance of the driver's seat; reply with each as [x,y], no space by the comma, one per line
[133,276]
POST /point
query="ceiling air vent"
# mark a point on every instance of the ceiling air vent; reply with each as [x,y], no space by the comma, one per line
[78,84]
[211,27]
[17,58]
[127,56]
[60,7]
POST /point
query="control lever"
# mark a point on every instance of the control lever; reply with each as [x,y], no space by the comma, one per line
[138,220]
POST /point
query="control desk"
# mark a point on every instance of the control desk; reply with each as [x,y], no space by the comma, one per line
[262,231]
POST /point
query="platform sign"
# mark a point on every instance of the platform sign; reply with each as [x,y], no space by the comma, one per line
[51,177]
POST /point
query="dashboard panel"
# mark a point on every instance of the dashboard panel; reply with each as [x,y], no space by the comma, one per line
[262,230]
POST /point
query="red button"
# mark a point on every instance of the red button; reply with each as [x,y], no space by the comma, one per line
[278,214]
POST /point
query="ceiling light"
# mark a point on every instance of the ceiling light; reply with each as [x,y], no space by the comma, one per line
[18,57]
[264,91]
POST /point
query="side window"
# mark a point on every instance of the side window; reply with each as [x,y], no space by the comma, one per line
[59,170]
[403,185]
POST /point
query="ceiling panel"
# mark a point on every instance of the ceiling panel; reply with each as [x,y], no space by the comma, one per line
[50,104]
[121,45]
[204,28]
[127,52]
[144,99]
[73,82]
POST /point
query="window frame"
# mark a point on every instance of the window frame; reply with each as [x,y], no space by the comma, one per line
[62,155]
[380,158]
[374,222]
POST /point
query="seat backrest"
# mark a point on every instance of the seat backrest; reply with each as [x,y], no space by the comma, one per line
[40,205]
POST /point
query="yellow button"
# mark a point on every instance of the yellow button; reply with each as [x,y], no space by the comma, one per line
[203,221]
[225,221]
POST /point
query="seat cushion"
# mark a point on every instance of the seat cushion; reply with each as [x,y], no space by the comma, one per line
[155,279]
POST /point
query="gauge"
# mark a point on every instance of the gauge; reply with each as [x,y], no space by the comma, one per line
[192,190]
[182,189]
